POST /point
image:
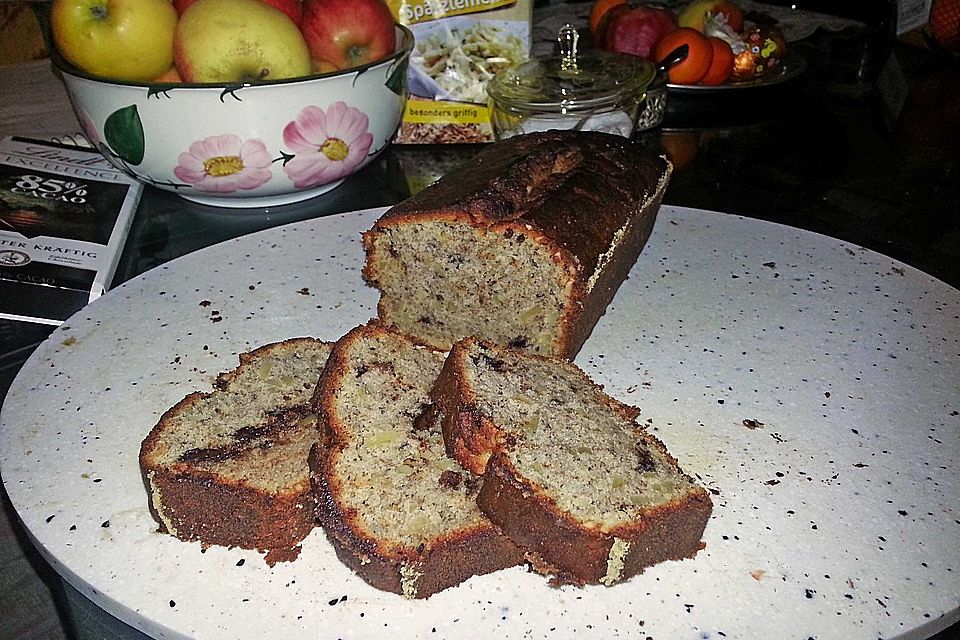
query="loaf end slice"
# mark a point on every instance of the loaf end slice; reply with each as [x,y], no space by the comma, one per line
[398,511]
[566,472]
[229,467]
[525,245]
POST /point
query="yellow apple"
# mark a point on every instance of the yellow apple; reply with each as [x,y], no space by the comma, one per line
[693,14]
[118,39]
[238,41]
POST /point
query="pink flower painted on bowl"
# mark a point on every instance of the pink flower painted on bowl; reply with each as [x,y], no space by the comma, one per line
[327,145]
[224,163]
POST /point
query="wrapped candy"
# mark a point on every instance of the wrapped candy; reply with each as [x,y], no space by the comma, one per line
[745,65]
[715,25]
[764,49]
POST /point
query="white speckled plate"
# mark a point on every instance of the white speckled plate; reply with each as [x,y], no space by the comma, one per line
[811,384]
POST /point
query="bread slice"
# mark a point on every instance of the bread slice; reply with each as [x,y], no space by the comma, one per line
[525,245]
[398,511]
[567,473]
[230,467]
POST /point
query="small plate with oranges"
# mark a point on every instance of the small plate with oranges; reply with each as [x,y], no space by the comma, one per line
[790,67]
[723,50]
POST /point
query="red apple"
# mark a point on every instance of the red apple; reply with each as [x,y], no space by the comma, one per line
[604,24]
[733,14]
[292,8]
[347,33]
[637,31]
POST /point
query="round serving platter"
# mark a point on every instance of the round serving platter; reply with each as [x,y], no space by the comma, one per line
[810,385]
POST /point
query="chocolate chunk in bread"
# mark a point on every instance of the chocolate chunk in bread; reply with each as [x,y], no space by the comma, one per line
[229,467]
[525,245]
[567,473]
[397,510]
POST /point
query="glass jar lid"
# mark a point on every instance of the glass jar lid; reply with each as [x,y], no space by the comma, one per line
[572,83]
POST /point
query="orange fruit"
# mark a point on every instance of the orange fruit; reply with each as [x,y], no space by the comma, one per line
[699,55]
[721,65]
[599,10]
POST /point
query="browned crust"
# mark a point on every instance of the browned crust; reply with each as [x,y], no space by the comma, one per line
[574,190]
[570,553]
[444,562]
[537,178]
[615,271]
[203,507]
[673,532]
[562,546]
[207,507]
[468,436]
[574,554]
[218,511]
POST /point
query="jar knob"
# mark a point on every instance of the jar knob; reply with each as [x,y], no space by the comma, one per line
[568,38]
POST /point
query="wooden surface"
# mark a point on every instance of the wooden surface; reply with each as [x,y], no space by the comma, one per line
[33,101]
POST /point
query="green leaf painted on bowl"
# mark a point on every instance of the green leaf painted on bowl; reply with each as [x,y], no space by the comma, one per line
[123,131]
[397,79]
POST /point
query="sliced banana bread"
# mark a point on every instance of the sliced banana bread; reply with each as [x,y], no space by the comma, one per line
[398,511]
[525,245]
[567,473]
[229,467]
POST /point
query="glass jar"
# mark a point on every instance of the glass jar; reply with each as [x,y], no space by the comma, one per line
[596,91]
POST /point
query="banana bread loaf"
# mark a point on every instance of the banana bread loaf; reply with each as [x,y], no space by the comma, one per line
[229,467]
[397,510]
[567,473]
[525,245]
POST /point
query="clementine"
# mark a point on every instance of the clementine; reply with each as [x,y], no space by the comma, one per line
[699,55]
[599,10]
[721,65]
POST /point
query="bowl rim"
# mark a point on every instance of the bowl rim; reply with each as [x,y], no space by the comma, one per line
[404,49]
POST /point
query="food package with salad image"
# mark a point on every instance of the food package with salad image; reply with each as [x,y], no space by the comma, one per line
[460,45]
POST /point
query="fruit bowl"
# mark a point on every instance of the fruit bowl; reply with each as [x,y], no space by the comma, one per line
[245,144]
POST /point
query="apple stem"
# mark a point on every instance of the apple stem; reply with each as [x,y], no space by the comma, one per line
[99,12]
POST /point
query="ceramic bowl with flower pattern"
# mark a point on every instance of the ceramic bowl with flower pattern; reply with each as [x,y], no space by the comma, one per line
[245,145]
